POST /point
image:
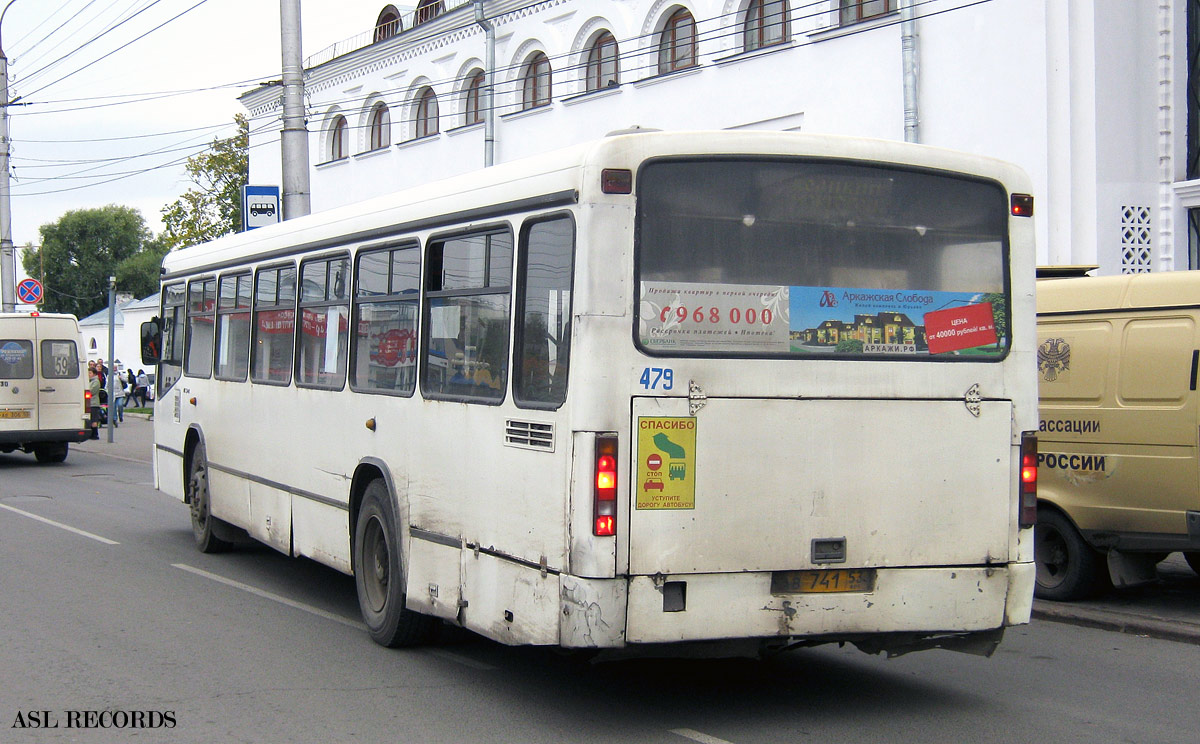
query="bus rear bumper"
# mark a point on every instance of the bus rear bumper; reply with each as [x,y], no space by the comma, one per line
[905,600]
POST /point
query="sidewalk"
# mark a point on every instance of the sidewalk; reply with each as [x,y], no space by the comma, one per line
[133,439]
[1167,609]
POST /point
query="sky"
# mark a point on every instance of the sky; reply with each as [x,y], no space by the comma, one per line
[109,118]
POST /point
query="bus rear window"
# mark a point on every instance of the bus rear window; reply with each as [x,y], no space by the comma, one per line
[820,259]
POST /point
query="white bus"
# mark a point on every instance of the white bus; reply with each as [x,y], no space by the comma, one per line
[658,388]
[43,385]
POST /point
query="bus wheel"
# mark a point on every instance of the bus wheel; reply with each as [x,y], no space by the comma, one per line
[204,524]
[56,452]
[378,575]
[1067,567]
[1193,559]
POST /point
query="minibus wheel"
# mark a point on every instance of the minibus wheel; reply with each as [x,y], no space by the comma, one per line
[56,452]
[378,574]
[1067,567]
[204,524]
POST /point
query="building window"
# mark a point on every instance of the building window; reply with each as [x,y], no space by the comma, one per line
[388,23]
[427,113]
[337,138]
[535,83]
[381,127]
[766,23]
[1137,240]
[602,63]
[677,47]
[427,10]
[853,11]
[473,98]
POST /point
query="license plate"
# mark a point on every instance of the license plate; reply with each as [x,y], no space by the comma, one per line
[823,581]
[14,414]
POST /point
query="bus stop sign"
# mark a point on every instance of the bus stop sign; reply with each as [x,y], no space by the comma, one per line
[29,291]
[260,206]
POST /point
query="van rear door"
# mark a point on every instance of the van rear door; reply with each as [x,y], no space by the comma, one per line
[18,382]
[59,375]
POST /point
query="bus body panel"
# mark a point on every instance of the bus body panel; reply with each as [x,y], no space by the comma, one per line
[885,477]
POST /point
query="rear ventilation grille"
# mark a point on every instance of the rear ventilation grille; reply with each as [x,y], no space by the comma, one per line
[529,435]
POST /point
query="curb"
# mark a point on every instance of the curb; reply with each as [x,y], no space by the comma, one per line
[1153,627]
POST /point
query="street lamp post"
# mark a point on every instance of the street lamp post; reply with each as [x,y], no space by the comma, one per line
[8,264]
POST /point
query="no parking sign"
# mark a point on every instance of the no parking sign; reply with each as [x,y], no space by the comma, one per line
[29,291]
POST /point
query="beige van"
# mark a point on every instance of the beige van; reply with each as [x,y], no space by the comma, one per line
[1119,474]
[42,384]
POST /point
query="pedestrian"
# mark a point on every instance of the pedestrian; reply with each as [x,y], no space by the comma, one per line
[94,388]
[132,379]
[102,371]
[119,396]
[143,387]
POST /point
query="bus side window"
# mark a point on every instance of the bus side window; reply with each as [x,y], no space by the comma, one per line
[544,322]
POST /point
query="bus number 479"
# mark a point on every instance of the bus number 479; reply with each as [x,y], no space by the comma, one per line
[652,377]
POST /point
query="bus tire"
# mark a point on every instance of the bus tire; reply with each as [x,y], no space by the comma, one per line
[378,575]
[1067,567]
[205,527]
[56,452]
[1193,559]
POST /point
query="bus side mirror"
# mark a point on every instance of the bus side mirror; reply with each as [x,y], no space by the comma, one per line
[152,341]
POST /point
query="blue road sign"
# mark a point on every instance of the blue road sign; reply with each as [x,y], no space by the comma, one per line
[29,291]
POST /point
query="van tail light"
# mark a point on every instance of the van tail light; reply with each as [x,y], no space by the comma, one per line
[604,523]
[1029,456]
[87,396]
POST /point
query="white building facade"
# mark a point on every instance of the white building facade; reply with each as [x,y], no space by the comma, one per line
[1090,97]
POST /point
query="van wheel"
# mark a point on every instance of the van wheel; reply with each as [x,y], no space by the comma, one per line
[1193,559]
[51,452]
[1067,567]
[204,524]
[378,574]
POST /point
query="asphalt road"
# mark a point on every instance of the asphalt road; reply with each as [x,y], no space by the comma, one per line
[106,607]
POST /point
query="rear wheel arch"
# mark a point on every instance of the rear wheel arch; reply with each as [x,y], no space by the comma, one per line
[191,439]
[370,469]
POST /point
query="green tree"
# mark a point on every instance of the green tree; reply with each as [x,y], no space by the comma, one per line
[82,250]
[215,207]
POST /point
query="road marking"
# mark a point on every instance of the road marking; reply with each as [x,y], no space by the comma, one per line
[60,525]
[273,597]
[459,659]
[697,736]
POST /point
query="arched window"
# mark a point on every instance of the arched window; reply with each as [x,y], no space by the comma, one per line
[766,23]
[380,126]
[853,11]
[388,23]
[677,47]
[535,83]
[427,113]
[602,63]
[427,10]
[337,138]
[473,98]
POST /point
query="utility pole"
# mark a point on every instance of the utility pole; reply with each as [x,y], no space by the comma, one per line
[297,197]
[8,263]
[112,365]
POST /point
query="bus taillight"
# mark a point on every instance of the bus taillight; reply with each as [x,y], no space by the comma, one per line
[1029,454]
[605,490]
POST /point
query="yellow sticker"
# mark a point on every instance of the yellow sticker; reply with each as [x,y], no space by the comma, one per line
[666,463]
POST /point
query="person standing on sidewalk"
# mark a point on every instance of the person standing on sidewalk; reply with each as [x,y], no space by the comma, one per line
[94,388]
[119,395]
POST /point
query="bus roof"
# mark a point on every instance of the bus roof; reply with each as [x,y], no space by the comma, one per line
[560,172]
[1123,292]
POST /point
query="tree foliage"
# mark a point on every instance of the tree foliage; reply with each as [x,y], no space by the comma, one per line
[215,207]
[84,248]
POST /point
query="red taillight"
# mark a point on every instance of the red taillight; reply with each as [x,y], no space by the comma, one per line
[87,395]
[1029,455]
[605,493]
[616,181]
[1022,205]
